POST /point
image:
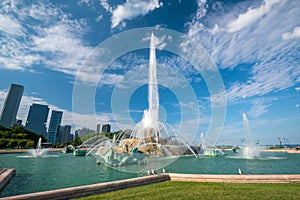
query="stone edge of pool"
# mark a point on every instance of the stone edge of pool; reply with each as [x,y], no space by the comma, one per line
[80,191]
[5,176]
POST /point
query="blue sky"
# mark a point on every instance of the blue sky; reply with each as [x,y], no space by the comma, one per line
[255,46]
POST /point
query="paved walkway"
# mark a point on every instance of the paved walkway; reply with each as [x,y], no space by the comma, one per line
[278,178]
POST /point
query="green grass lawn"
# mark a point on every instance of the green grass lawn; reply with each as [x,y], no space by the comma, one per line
[197,190]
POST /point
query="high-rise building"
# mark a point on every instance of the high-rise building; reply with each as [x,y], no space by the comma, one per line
[11,105]
[59,134]
[106,128]
[71,138]
[64,134]
[54,124]
[67,133]
[37,118]
[98,128]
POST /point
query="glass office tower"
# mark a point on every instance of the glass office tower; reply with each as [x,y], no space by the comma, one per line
[11,105]
[53,129]
[37,118]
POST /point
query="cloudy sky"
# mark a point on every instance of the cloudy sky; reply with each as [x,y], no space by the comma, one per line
[52,46]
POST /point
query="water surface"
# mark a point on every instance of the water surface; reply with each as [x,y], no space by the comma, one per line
[56,170]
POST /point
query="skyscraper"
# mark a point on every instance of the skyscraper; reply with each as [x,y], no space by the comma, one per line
[11,105]
[37,118]
[53,129]
[98,128]
[59,134]
[65,135]
[106,128]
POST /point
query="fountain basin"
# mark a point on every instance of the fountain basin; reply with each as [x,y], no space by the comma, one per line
[211,152]
[134,157]
[79,152]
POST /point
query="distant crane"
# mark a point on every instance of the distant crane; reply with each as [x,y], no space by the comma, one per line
[288,143]
[280,142]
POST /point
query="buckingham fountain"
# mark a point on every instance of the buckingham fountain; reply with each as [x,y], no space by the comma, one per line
[151,143]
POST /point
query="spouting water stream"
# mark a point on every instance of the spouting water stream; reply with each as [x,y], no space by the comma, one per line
[149,122]
[38,151]
[249,150]
[248,137]
[150,117]
[39,145]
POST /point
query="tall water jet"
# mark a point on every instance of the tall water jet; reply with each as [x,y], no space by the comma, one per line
[39,144]
[153,98]
[150,125]
[248,137]
[248,150]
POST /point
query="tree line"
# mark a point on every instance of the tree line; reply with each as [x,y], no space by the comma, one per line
[18,137]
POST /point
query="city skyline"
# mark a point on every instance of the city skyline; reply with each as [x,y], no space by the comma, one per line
[254,45]
[37,117]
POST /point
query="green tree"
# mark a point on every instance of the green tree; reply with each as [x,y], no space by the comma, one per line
[6,134]
[12,143]
[16,137]
[3,142]
[22,143]
[77,142]
[29,144]
[21,136]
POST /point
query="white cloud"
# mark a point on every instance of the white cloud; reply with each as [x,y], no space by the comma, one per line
[131,9]
[14,57]
[99,18]
[291,35]
[65,48]
[265,79]
[160,43]
[251,16]
[297,88]
[10,25]
[40,12]
[53,41]
[259,107]
[272,63]
[111,79]
[105,5]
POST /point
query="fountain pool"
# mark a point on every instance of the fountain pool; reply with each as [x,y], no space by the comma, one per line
[65,170]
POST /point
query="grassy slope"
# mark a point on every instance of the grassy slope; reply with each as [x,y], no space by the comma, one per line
[196,190]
